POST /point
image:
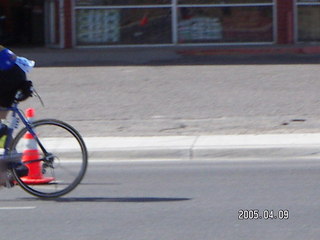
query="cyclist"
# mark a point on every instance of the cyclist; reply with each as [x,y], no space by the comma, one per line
[13,78]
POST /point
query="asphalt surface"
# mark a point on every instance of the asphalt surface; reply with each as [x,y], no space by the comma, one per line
[173,200]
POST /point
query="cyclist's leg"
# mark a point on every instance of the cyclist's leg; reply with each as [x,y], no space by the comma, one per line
[3,127]
[3,114]
[13,160]
[2,165]
[6,177]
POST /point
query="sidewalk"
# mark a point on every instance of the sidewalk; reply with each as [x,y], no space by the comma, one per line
[219,147]
[194,147]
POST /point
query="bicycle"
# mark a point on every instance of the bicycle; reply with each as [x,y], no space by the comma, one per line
[61,155]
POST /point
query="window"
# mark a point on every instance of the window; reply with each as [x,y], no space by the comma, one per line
[120,2]
[308,20]
[123,26]
[108,22]
[225,24]
[223,1]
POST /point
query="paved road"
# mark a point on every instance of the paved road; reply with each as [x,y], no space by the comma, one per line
[173,200]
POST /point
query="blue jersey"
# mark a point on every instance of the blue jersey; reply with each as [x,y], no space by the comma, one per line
[7,58]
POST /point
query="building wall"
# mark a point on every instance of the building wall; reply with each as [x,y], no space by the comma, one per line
[190,22]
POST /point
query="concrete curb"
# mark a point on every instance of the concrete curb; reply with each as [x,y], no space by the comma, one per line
[205,147]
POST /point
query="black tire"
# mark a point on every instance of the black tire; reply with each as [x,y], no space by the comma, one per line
[62,164]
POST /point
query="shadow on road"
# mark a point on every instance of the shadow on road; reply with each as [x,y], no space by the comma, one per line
[111,199]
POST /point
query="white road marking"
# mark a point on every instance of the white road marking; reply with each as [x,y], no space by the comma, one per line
[18,208]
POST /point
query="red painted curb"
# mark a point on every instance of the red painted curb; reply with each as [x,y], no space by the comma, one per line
[253,51]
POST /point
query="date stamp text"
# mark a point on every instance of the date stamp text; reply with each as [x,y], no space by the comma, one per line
[266,214]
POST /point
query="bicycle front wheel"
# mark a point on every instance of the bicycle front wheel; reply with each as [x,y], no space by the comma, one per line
[56,167]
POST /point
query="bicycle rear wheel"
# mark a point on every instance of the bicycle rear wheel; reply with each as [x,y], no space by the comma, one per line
[58,167]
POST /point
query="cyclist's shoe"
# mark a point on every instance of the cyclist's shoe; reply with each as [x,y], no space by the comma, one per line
[9,162]
[21,169]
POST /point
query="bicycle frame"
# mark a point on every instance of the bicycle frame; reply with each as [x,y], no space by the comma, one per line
[44,164]
[15,116]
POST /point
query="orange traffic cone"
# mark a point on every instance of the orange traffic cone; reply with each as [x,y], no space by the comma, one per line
[31,152]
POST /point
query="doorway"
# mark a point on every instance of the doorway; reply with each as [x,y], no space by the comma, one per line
[22,23]
[54,11]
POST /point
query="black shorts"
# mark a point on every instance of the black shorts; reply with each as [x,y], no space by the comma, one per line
[11,81]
